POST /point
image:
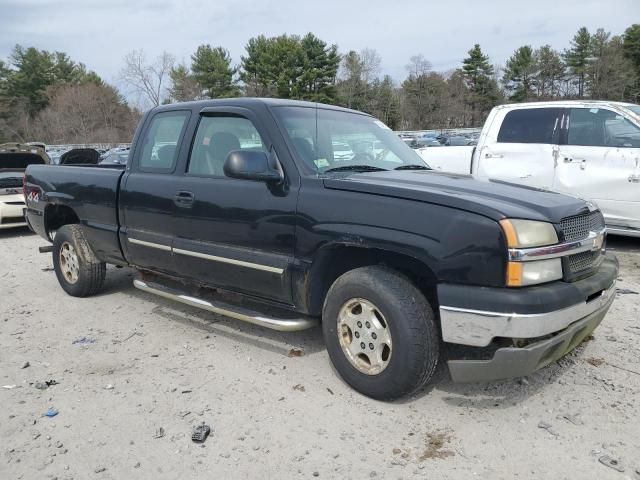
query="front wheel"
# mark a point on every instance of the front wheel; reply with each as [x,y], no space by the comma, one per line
[380,332]
[79,272]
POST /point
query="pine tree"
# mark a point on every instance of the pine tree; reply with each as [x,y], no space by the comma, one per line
[577,58]
[550,72]
[483,89]
[212,70]
[520,74]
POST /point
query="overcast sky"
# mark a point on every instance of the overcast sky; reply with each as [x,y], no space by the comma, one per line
[100,33]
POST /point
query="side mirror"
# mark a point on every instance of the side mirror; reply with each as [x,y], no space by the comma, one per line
[252,165]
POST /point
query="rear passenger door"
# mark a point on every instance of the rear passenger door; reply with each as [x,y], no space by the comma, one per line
[148,190]
[524,149]
[599,157]
[236,234]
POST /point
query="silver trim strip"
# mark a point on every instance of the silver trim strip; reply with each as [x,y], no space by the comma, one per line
[239,313]
[205,256]
[594,241]
[231,261]
[166,248]
[478,328]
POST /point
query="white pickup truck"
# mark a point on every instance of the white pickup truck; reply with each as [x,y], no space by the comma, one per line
[586,148]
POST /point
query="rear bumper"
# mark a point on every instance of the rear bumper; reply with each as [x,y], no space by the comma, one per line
[547,334]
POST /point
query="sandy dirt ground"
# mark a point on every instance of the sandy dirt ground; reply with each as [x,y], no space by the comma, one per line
[153,365]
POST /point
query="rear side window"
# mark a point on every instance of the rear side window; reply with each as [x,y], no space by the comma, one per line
[530,125]
[161,142]
[598,127]
[216,137]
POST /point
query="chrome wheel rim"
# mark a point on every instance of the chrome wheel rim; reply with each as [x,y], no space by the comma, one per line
[69,262]
[364,336]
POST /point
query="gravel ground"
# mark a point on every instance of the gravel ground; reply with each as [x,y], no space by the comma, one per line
[154,364]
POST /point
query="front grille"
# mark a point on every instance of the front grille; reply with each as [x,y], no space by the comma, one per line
[11,182]
[579,226]
[575,228]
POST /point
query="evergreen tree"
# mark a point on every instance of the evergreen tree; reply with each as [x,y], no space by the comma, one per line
[483,89]
[520,74]
[550,72]
[631,49]
[577,58]
[291,67]
[184,87]
[212,69]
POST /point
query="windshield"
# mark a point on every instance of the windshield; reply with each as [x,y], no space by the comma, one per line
[331,140]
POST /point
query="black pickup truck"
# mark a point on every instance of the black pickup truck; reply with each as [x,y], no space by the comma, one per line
[286,214]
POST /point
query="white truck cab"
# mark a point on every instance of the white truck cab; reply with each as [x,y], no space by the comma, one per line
[586,148]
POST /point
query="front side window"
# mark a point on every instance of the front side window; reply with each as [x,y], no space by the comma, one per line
[216,137]
[161,142]
[326,140]
[599,127]
[530,125]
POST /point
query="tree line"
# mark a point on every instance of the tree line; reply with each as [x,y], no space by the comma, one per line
[47,96]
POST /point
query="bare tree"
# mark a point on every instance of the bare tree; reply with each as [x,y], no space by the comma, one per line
[148,80]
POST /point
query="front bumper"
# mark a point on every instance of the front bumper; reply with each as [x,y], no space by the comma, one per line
[12,211]
[548,334]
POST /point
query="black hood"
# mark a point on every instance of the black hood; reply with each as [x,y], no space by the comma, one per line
[493,199]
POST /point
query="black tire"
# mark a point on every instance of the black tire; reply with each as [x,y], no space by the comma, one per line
[90,272]
[410,319]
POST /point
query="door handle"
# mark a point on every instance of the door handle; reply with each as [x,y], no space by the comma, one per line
[183,199]
[634,178]
[581,161]
[526,175]
[493,155]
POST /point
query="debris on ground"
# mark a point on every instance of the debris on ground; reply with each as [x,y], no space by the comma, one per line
[100,469]
[83,341]
[299,387]
[200,433]
[25,365]
[159,433]
[9,387]
[596,362]
[611,463]
[548,428]
[573,418]
[295,352]
[52,412]
[626,291]
[434,446]
[330,391]
[108,386]
[41,385]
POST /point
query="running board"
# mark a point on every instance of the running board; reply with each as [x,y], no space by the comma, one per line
[239,313]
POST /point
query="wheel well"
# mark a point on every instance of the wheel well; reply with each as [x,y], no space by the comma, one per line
[55,216]
[332,262]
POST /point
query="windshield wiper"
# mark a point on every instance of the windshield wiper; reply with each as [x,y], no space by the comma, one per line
[412,167]
[356,168]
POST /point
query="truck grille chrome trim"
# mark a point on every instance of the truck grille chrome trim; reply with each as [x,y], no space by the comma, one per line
[478,328]
[135,241]
[593,242]
[239,313]
[214,258]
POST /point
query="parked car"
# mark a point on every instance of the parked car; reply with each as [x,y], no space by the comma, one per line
[80,156]
[117,158]
[394,259]
[585,148]
[14,159]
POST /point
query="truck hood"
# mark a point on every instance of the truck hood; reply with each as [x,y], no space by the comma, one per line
[493,199]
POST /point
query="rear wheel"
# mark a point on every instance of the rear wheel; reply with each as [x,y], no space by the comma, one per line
[79,272]
[380,332]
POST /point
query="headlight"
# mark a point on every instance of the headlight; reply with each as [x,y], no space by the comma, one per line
[521,274]
[528,233]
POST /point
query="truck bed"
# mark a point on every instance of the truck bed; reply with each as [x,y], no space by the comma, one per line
[90,191]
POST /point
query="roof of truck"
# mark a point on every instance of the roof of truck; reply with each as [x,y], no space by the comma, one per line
[248,102]
[567,103]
